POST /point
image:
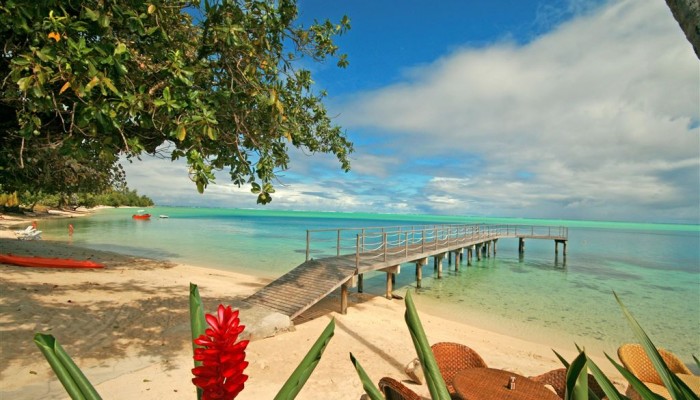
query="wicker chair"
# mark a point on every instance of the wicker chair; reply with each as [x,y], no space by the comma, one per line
[635,359]
[454,357]
[395,390]
[557,379]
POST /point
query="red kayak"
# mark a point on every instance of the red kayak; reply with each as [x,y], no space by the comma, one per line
[141,216]
[45,262]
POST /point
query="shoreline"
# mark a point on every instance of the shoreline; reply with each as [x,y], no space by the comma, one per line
[127,327]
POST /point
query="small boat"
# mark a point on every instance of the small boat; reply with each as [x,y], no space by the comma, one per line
[45,262]
[163,216]
[141,214]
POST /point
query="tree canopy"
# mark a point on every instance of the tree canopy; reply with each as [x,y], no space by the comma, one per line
[218,83]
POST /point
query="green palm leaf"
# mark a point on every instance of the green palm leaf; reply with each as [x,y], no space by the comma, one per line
[72,378]
[677,388]
[367,383]
[198,323]
[433,377]
[301,374]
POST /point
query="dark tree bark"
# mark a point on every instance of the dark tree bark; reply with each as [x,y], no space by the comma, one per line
[687,13]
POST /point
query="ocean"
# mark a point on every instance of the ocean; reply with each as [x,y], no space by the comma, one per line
[654,268]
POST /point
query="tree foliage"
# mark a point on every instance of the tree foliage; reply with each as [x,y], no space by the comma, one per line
[218,83]
[114,197]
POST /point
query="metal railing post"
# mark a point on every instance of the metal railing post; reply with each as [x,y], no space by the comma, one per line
[422,247]
[357,253]
[338,245]
[406,241]
[385,244]
[308,234]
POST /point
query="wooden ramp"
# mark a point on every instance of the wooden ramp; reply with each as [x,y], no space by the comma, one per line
[305,285]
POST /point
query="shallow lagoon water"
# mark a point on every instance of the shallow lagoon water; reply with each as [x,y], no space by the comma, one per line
[655,269]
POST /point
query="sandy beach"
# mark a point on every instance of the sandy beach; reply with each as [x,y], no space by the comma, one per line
[127,327]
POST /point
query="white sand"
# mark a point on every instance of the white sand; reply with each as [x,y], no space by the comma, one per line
[127,327]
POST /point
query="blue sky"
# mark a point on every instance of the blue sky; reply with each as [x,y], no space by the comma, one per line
[552,109]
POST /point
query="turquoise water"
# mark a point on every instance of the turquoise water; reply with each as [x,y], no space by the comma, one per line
[654,268]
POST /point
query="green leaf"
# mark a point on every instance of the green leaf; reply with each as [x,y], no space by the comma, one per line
[90,14]
[25,83]
[609,389]
[181,132]
[433,377]
[120,49]
[211,132]
[301,374]
[108,82]
[562,359]
[367,384]
[94,81]
[72,378]
[577,379]
[198,323]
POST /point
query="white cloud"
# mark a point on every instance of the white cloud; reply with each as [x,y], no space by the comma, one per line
[597,118]
[598,111]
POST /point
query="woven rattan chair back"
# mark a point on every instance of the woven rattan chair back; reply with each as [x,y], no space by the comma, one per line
[395,390]
[636,361]
[557,379]
[454,357]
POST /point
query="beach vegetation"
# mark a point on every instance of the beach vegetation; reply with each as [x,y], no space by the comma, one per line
[41,201]
[224,85]
[224,329]
[219,359]
[69,374]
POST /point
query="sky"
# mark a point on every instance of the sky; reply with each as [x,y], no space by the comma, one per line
[586,110]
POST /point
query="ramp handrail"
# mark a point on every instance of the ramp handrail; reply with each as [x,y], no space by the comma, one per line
[381,241]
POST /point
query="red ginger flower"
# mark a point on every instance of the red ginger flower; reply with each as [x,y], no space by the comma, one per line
[223,360]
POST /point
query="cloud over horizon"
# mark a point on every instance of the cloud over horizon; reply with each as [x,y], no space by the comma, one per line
[596,119]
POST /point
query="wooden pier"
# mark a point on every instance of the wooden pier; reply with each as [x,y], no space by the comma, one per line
[343,255]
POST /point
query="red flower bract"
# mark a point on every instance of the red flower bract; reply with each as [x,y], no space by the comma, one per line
[223,360]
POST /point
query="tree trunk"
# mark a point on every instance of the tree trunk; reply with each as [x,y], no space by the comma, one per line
[687,13]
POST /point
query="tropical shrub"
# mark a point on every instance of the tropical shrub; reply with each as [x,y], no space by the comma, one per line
[220,361]
[219,357]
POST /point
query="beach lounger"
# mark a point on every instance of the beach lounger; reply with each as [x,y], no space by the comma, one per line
[454,357]
[395,390]
[25,231]
[33,235]
[556,378]
[635,359]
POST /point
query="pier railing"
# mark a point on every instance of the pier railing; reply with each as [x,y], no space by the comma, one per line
[376,242]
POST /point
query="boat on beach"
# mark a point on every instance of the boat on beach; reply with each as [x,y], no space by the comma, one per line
[47,262]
